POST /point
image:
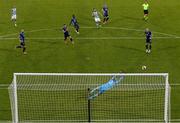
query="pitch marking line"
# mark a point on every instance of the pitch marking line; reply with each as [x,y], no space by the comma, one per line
[91,38]
[7,85]
[130,29]
[115,28]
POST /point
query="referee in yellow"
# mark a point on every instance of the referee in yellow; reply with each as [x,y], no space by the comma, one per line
[145,7]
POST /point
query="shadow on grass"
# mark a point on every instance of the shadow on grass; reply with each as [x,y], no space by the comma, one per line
[131,18]
[129,48]
[168,48]
[7,50]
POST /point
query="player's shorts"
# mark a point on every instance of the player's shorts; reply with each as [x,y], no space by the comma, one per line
[146,12]
[66,35]
[148,41]
[22,44]
[101,91]
[97,19]
[106,15]
[13,17]
[76,26]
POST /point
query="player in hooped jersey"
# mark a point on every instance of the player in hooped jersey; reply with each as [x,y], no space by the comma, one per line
[96,16]
[22,41]
[74,22]
[148,40]
[66,34]
[14,16]
[105,14]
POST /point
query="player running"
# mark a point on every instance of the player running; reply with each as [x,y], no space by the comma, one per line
[22,41]
[13,16]
[96,16]
[66,34]
[114,81]
[105,13]
[146,12]
[148,40]
[74,22]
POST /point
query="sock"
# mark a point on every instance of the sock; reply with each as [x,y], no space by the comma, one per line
[24,49]
[15,23]
[77,29]
[104,20]
[146,46]
[65,42]
[150,47]
[107,19]
[97,24]
[71,39]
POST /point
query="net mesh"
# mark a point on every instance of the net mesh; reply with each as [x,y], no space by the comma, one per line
[56,98]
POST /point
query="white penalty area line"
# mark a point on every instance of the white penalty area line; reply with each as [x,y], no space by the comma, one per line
[91,38]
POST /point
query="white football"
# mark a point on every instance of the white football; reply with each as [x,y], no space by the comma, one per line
[144,67]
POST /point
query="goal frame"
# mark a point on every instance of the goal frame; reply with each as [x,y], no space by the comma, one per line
[167,106]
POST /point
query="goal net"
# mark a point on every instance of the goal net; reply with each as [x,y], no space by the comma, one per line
[63,97]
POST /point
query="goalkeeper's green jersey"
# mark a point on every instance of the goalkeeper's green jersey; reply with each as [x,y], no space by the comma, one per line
[145,6]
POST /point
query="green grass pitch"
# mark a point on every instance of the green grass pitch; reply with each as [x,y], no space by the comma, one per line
[118,45]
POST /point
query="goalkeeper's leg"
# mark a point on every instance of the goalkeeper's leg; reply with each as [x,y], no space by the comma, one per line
[94,93]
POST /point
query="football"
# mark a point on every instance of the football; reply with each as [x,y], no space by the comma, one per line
[144,67]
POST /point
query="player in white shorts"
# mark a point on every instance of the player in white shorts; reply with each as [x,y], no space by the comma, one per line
[13,16]
[96,16]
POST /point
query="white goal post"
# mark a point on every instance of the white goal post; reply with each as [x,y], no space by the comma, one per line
[63,97]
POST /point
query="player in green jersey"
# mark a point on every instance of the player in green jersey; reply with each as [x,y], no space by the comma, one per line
[146,7]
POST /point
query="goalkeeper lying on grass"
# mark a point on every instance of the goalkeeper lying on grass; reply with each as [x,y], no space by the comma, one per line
[115,80]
